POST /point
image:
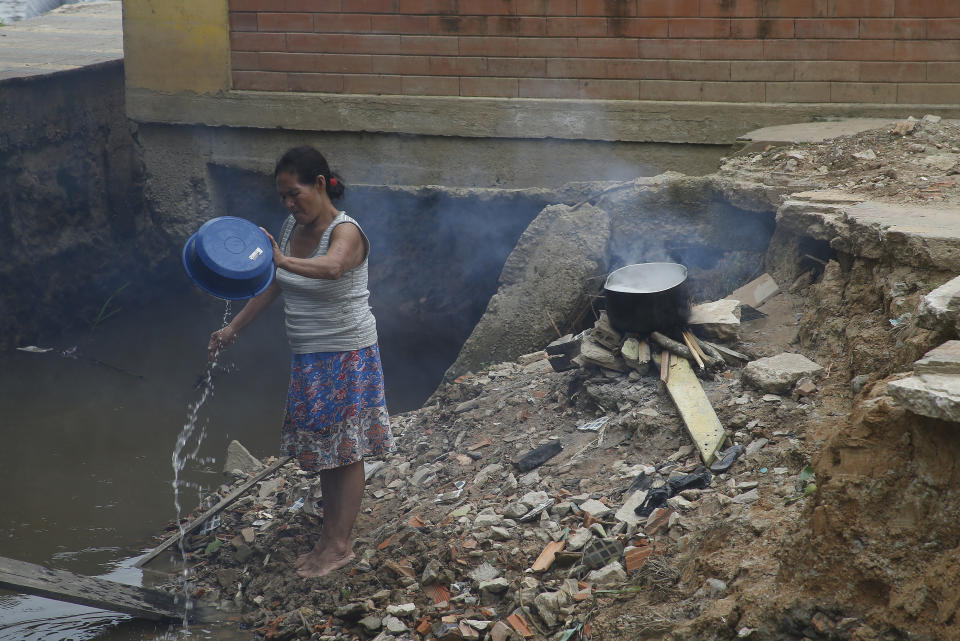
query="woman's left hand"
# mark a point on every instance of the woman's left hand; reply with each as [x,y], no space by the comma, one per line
[277,254]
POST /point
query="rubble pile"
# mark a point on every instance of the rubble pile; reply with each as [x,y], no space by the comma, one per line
[915,161]
[526,503]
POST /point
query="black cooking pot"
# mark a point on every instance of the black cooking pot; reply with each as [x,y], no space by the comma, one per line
[648,297]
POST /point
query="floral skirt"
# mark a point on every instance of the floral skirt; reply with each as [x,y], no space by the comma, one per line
[336,410]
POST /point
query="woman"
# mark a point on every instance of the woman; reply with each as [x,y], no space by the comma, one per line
[336,412]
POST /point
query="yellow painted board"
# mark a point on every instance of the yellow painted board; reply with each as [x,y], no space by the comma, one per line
[695,408]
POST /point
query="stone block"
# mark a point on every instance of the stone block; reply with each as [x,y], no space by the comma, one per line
[943,361]
[239,458]
[932,395]
[778,374]
[940,309]
[719,319]
[756,292]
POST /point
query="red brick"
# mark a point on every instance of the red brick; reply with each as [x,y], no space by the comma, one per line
[612,8]
[341,23]
[244,61]
[927,9]
[514,26]
[789,9]
[929,94]
[367,43]
[243,21]
[675,49]
[372,84]
[588,27]
[455,66]
[945,28]
[730,8]
[943,71]
[607,47]
[288,61]
[458,25]
[795,50]
[311,6]
[429,45]
[698,70]
[315,82]
[368,6]
[854,8]
[699,28]
[546,7]
[861,50]
[610,89]
[285,22]
[797,92]
[490,87]
[517,67]
[430,86]
[828,28]
[258,41]
[732,92]
[638,27]
[315,42]
[762,28]
[731,49]
[487,7]
[546,47]
[883,92]
[399,24]
[344,63]
[259,80]
[932,50]
[780,70]
[823,70]
[488,46]
[427,7]
[892,72]
[899,29]
[548,88]
[639,69]
[669,8]
[400,65]
[577,68]
[670,90]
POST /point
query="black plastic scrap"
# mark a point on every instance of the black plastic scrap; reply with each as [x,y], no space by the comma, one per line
[726,458]
[657,496]
[539,456]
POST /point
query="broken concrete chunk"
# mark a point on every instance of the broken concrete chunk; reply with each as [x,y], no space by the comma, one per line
[494,586]
[756,292]
[484,572]
[595,508]
[567,345]
[943,360]
[719,319]
[940,309]
[778,374]
[627,512]
[533,357]
[608,575]
[239,458]
[579,538]
[747,497]
[929,395]
[604,334]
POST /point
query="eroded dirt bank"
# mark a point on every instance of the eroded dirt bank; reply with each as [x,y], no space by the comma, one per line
[837,522]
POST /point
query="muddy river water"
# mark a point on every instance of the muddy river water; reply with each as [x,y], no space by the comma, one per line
[85,465]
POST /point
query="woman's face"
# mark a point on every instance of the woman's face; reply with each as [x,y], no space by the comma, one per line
[305,202]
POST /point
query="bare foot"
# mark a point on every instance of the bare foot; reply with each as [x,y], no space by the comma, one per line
[317,550]
[317,564]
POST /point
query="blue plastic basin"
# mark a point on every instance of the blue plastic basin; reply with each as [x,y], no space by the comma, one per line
[230,258]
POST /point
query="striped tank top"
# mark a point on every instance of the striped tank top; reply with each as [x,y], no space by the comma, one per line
[326,315]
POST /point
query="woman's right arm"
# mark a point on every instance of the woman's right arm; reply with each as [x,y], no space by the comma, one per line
[228,335]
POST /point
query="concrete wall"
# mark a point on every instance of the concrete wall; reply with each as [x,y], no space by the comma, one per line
[820,51]
[72,219]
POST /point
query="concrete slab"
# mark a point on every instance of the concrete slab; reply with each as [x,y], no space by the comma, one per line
[756,292]
[940,309]
[778,374]
[940,361]
[67,38]
[813,131]
[718,319]
[933,396]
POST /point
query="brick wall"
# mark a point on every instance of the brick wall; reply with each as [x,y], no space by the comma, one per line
[876,51]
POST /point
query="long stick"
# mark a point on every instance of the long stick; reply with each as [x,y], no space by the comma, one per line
[712,358]
[671,345]
[200,520]
[693,350]
[552,322]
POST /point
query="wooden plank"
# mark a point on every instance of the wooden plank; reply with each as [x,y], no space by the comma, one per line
[702,423]
[66,586]
[227,500]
